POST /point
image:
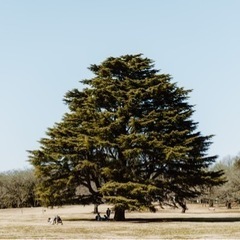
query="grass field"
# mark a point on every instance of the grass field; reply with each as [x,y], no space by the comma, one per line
[78,223]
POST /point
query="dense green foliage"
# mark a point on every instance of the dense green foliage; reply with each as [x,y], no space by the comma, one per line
[128,139]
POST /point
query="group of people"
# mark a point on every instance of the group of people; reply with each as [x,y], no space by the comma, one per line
[57,220]
[106,216]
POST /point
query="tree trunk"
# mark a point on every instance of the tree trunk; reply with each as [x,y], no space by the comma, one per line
[95,208]
[184,207]
[119,214]
[210,203]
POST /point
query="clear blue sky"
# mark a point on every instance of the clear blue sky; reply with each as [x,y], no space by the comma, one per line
[46,47]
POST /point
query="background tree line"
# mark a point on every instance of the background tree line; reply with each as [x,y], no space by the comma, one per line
[17,189]
[228,193]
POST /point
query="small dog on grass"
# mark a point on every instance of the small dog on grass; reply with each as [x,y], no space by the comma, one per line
[55,220]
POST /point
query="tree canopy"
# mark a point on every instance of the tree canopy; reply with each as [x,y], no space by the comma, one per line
[128,139]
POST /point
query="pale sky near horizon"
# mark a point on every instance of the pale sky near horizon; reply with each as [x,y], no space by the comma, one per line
[46,47]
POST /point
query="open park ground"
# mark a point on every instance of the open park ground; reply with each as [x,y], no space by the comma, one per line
[78,223]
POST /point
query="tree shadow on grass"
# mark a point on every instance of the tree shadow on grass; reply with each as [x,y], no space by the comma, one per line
[185,219]
[174,219]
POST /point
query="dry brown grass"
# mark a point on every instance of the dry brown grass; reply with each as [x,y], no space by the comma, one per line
[78,223]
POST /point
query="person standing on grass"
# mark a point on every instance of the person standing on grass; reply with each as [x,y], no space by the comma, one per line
[108,212]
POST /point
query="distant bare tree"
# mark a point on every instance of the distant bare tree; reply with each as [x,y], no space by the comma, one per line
[17,188]
[230,191]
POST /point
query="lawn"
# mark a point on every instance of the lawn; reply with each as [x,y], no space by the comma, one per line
[78,223]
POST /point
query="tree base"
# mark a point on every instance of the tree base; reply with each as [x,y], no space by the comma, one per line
[119,214]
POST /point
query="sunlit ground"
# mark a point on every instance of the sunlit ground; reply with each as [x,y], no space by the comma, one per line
[78,223]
